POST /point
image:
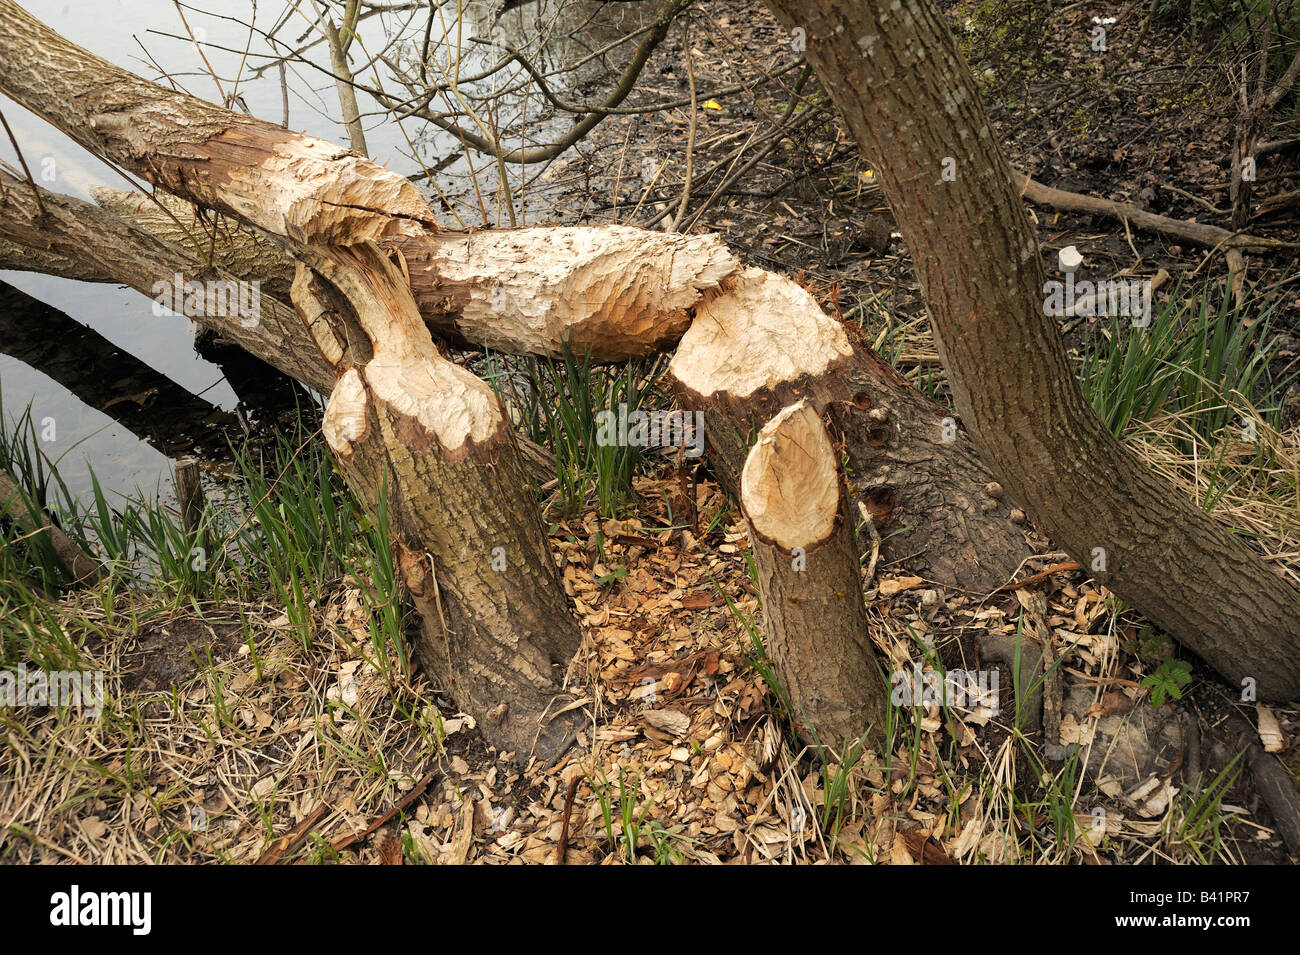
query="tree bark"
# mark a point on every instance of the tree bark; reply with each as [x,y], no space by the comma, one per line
[79,240]
[893,69]
[401,418]
[616,291]
[809,580]
[766,344]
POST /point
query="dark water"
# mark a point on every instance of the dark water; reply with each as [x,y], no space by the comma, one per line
[124,388]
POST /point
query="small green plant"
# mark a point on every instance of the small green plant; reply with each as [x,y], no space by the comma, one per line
[1168,680]
[613,577]
[558,404]
[626,830]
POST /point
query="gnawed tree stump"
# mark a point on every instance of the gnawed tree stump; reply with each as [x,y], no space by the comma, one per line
[813,615]
[496,630]
[401,417]
[763,343]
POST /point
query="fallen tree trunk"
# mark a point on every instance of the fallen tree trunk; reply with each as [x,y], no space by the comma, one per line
[615,291]
[79,240]
[917,474]
[1199,233]
[765,345]
[808,577]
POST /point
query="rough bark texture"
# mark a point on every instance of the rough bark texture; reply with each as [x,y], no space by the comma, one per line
[894,71]
[617,291]
[288,183]
[401,417]
[765,344]
[467,535]
[924,490]
[17,506]
[1200,233]
[808,577]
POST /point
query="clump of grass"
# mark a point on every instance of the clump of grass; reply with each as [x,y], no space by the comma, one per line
[626,828]
[557,404]
[1199,361]
[1196,817]
[292,531]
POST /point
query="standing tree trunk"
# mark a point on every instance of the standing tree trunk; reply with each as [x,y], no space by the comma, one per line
[816,625]
[893,69]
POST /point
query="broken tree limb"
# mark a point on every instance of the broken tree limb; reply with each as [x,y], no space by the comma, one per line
[1199,233]
[18,506]
[813,614]
[764,343]
[616,291]
[403,421]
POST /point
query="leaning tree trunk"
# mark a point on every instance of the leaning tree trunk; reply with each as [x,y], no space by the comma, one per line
[893,69]
[755,343]
[797,509]
[615,291]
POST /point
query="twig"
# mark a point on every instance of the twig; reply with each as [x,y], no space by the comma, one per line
[23,161]
[690,137]
[563,847]
[1041,575]
[290,840]
[409,798]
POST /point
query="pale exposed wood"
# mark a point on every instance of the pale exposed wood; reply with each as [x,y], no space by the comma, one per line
[287,183]
[496,631]
[763,343]
[786,336]
[790,486]
[617,291]
[101,247]
[813,614]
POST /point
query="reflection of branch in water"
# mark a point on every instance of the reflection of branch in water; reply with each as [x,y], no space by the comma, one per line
[110,380]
